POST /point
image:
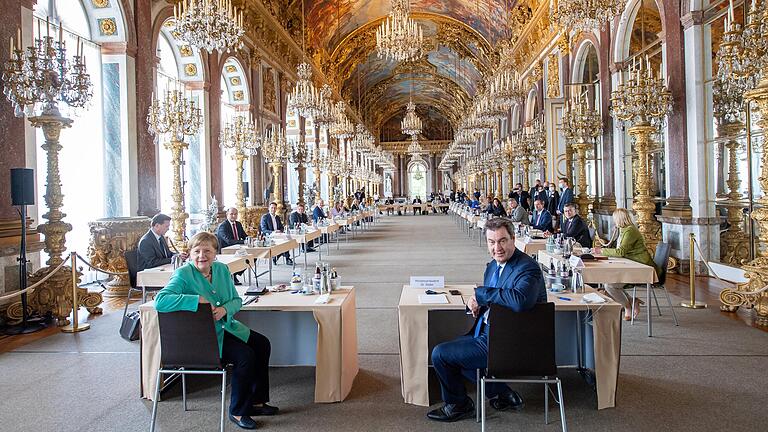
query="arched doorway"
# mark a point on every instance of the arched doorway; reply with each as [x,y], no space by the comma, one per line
[417,180]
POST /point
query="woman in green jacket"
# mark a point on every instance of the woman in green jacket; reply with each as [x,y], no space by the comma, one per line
[203,282]
[630,245]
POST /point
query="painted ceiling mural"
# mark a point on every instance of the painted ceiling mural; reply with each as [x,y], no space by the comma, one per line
[331,21]
[435,126]
[459,40]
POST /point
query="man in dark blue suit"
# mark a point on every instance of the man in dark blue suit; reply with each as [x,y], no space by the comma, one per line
[270,223]
[565,198]
[153,248]
[513,280]
[541,218]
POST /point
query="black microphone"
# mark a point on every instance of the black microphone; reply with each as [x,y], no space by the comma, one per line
[248,263]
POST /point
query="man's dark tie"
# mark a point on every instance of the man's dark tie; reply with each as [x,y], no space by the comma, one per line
[494,282]
[163,246]
[234,231]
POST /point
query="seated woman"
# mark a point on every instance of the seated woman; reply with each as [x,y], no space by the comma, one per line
[630,245]
[206,283]
[496,209]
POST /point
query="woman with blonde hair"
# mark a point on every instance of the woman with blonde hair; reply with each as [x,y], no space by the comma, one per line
[630,245]
[204,282]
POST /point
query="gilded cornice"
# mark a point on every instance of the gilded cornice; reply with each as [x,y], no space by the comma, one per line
[401,147]
[539,32]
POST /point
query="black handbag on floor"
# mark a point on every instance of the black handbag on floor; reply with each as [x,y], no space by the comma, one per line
[130,329]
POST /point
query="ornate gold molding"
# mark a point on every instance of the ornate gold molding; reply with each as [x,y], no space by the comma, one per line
[553,77]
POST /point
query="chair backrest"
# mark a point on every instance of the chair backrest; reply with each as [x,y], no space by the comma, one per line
[132,262]
[188,339]
[522,343]
[660,258]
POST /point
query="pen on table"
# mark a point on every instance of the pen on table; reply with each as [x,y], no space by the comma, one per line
[564,298]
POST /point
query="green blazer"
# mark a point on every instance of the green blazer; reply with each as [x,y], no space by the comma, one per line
[632,246]
[187,285]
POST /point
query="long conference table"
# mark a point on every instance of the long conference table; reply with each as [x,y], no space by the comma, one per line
[594,345]
[301,332]
[159,276]
[281,246]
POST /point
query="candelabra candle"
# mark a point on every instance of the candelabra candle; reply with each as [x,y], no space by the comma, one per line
[36,79]
[176,116]
[304,98]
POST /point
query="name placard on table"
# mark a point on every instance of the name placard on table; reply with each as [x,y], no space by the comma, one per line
[427,281]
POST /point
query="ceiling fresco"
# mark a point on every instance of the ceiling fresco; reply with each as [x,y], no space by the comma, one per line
[330,21]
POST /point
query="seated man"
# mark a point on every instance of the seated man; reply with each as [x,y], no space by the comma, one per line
[296,219]
[271,223]
[390,202]
[517,213]
[541,219]
[318,213]
[153,248]
[574,226]
[231,232]
[513,280]
[417,200]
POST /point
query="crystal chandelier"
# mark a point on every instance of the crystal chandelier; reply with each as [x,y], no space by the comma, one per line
[38,80]
[585,15]
[324,116]
[303,98]
[411,124]
[212,25]
[506,89]
[399,37]
[341,127]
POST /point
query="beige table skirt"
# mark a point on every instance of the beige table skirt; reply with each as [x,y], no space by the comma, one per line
[612,270]
[532,247]
[336,352]
[414,355]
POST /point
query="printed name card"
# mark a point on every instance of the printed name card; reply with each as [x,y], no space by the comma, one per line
[427,281]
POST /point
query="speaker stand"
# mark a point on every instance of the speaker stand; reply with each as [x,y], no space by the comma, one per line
[27,325]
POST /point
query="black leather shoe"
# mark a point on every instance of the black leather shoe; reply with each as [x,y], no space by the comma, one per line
[453,412]
[274,261]
[245,422]
[506,401]
[288,261]
[264,410]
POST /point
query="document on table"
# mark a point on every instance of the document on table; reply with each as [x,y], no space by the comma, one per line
[433,299]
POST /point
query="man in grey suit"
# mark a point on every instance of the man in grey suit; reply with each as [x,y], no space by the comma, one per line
[517,213]
[153,249]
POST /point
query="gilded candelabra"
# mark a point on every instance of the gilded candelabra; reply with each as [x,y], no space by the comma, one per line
[276,151]
[175,117]
[644,102]
[581,126]
[240,137]
[35,81]
[747,58]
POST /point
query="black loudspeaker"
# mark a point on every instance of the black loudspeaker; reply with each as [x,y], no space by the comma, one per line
[22,186]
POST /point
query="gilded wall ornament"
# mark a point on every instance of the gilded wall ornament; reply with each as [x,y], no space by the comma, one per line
[238,95]
[268,90]
[230,68]
[107,26]
[185,51]
[553,76]
[235,81]
[100,4]
[190,69]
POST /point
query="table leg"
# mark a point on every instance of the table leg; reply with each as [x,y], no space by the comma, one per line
[648,310]
[320,251]
[305,257]
[269,258]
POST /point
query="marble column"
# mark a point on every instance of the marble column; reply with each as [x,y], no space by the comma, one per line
[214,127]
[257,162]
[146,149]
[608,195]
[676,155]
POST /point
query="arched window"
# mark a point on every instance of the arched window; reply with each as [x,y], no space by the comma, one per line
[234,101]
[82,158]
[417,180]
[587,83]
[179,67]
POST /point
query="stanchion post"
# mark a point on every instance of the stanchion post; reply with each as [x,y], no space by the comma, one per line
[74,326]
[693,304]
